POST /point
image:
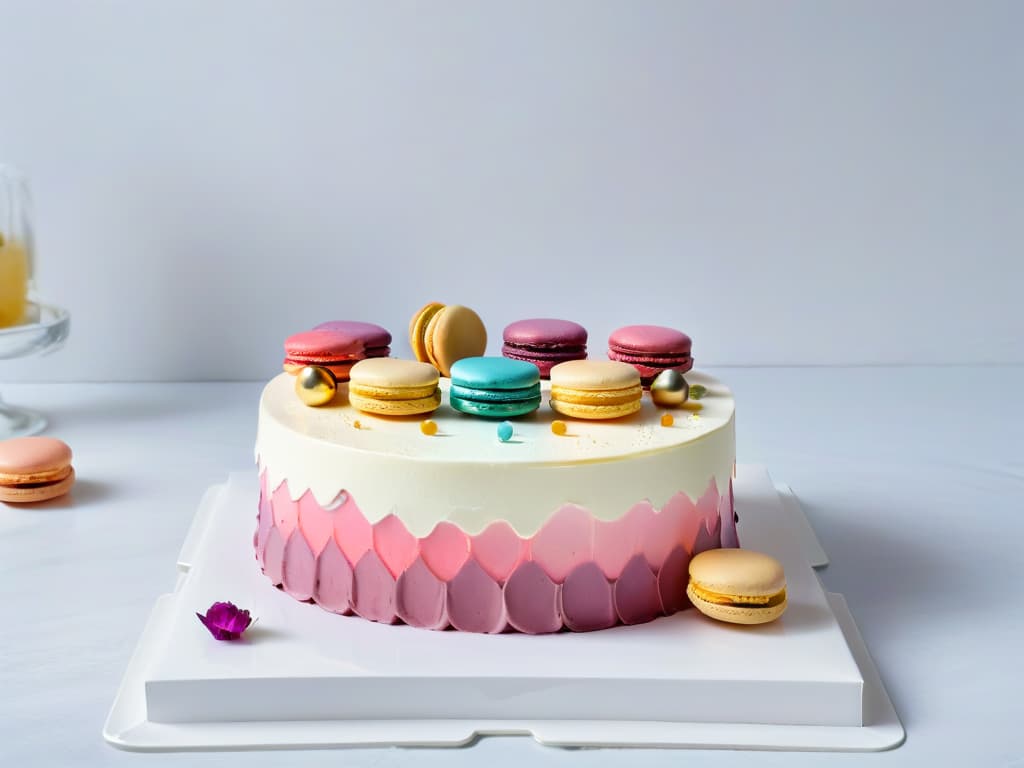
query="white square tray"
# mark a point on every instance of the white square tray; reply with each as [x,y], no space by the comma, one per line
[307,678]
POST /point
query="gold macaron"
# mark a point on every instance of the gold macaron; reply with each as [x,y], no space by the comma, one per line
[443,334]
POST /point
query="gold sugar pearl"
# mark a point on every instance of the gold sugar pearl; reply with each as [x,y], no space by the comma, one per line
[315,386]
[356,424]
[428,427]
[559,427]
[692,405]
[667,420]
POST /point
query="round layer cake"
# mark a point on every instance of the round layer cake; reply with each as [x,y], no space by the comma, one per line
[459,529]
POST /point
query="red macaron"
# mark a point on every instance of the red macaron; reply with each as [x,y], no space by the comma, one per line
[651,349]
[337,346]
[376,339]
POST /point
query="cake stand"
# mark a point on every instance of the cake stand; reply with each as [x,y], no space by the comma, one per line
[304,678]
[45,332]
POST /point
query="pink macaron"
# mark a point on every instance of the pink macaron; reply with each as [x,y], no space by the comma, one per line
[376,339]
[651,349]
[545,342]
[335,350]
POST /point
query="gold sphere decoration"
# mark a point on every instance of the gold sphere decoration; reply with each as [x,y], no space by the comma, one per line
[669,389]
[315,385]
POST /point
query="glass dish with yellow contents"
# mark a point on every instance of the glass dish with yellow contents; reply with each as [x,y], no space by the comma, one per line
[15,248]
[27,325]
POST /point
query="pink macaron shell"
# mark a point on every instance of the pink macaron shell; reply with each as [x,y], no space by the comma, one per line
[371,334]
[323,345]
[545,332]
[650,339]
[28,455]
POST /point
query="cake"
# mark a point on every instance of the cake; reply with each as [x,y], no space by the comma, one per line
[453,527]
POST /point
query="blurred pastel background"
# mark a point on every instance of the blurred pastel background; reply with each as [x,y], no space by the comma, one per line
[795,182]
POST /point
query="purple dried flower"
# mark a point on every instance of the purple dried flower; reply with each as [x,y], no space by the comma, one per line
[225,621]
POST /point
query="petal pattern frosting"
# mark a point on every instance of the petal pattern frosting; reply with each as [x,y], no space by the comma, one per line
[575,573]
[333,580]
[531,599]
[587,600]
[298,567]
[395,545]
[498,549]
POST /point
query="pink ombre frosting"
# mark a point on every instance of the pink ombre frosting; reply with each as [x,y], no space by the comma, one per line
[576,572]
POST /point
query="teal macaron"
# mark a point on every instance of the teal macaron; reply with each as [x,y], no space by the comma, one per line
[494,387]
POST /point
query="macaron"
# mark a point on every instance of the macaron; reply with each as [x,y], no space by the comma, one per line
[376,339]
[335,350]
[34,469]
[739,586]
[494,387]
[388,386]
[651,349]
[441,334]
[595,389]
[545,342]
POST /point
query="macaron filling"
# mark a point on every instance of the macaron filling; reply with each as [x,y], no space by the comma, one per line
[739,601]
[391,393]
[596,397]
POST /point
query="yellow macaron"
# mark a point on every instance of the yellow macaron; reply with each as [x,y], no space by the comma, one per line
[595,389]
[739,586]
[388,386]
[418,329]
[443,334]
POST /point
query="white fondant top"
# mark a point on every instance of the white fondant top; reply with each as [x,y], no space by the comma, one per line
[466,475]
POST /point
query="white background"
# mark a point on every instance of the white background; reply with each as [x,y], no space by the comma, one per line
[789,182]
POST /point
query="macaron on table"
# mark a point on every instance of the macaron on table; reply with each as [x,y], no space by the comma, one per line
[439,578]
[34,469]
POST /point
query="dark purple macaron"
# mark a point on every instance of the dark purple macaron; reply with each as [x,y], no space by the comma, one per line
[545,342]
[651,349]
[376,340]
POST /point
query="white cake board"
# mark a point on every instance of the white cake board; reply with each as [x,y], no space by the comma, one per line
[305,678]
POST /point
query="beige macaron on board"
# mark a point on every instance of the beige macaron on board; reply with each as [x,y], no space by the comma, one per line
[739,586]
[595,389]
[389,386]
[34,469]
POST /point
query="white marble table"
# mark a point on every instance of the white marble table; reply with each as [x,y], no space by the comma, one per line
[928,558]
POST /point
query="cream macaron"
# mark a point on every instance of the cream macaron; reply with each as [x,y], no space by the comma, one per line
[34,469]
[595,389]
[739,586]
[388,386]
